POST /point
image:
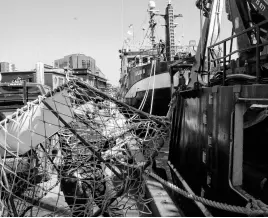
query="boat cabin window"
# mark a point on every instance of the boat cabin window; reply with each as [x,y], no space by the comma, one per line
[145,60]
[131,62]
[250,160]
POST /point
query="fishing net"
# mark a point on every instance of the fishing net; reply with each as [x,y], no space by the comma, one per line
[77,152]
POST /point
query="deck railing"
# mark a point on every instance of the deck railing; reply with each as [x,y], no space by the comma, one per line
[223,59]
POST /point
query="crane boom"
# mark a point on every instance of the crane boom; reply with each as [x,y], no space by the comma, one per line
[243,14]
[210,33]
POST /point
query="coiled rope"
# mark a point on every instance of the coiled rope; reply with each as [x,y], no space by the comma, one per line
[254,208]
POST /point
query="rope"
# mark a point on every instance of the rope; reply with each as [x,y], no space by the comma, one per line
[147,91]
[145,36]
[254,208]
[201,32]
[45,192]
[152,99]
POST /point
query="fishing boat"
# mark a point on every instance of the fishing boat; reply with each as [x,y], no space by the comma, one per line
[145,81]
[218,139]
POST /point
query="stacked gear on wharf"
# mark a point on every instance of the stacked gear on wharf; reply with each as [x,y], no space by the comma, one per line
[75,152]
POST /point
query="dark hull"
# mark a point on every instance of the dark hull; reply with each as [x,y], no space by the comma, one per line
[204,148]
[138,83]
[139,73]
[160,102]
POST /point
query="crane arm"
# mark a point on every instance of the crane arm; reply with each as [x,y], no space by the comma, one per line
[212,10]
[243,14]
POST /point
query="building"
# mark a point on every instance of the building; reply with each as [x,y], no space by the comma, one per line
[54,77]
[97,80]
[43,74]
[12,68]
[83,67]
[76,61]
[7,67]
[4,67]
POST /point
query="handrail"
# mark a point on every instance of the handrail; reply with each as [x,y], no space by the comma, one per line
[239,34]
[256,46]
[239,50]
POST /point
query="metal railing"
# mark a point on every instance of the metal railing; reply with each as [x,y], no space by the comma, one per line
[257,46]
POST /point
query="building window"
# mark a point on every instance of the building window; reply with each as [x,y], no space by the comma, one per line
[61,81]
[71,62]
[55,80]
[84,64]
[65,64]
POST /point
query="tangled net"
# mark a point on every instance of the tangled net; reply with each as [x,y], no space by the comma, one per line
[77,152]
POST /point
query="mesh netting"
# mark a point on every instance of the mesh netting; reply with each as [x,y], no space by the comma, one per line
[77,152]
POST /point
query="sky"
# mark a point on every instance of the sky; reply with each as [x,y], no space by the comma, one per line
[46,30]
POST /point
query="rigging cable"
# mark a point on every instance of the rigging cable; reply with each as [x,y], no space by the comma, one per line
[142,44]
[122,22]
[145,37]
[152,99]
[201,24]
[146,93]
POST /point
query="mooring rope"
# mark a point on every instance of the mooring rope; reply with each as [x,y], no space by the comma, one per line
[254,208]
[147,91]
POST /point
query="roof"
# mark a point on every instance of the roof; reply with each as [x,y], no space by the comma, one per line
[18,72]
[56,71]
[46,66]
[19,84]
[85,71]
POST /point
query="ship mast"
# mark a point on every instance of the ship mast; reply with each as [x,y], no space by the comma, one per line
[170,33]
[152,22]
[169,23]
[170,41]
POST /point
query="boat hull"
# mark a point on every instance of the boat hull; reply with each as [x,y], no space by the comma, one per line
[143,83]
[202,149]
[160,100]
